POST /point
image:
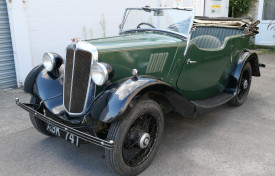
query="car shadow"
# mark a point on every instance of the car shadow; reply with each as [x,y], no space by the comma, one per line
[87,159]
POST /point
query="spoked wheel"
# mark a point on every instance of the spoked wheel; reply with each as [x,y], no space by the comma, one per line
[136,138]
[243,86]
[140,140]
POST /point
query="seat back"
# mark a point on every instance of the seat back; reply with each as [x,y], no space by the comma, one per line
[207,42]
[220,32]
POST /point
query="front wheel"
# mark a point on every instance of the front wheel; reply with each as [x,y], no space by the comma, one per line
[38,124]
[136,138]
[243,86]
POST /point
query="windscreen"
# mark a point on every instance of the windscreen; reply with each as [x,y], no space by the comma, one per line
[175,20]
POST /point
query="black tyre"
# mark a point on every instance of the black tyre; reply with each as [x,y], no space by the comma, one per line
[38,124]
[243,86]
[136,138]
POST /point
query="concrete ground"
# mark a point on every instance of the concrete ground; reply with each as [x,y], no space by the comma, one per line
[227,141]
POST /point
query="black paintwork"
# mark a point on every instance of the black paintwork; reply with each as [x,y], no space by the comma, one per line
[48,86]
[30,79]
[207,105]
[244,57]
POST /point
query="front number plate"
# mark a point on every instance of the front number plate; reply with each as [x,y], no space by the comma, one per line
[72,138]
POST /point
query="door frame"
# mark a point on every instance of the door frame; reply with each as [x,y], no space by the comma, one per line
[258,37]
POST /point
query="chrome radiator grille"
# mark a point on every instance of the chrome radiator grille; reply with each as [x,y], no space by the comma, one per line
[77,79]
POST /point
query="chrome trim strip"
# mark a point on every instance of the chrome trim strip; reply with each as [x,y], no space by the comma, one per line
[72,80]
[84,46]
[190,32]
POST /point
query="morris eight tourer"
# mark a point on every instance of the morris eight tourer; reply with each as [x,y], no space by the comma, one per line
[113,91]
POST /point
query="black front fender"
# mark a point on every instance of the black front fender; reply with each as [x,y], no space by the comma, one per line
[113,102]
[46,86]
[31,77]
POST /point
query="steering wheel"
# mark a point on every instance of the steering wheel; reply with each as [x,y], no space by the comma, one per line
[148,24]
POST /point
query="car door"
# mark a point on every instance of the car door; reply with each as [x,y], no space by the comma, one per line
[205,72]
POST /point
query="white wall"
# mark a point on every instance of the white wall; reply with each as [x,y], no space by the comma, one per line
[20,40]
[53,23]
[49,25]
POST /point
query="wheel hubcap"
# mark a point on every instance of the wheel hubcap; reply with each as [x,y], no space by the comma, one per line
[245,84]
[144,140]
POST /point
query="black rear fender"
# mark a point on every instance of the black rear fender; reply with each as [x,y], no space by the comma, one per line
[245,57]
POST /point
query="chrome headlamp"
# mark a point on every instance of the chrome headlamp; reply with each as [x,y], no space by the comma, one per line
[52,61]
[101,72]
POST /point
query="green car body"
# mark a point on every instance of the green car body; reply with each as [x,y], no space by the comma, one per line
[162,57]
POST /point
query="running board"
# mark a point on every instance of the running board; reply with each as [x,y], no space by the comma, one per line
[206,105]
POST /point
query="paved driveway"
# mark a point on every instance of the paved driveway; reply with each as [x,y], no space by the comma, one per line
[227,141]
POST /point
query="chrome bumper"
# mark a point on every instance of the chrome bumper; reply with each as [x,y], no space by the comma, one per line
[80,134]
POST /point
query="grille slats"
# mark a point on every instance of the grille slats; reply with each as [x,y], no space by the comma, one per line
[81,80]
[68,77]
[77,71]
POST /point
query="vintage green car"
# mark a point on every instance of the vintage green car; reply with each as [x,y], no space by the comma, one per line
[113,92]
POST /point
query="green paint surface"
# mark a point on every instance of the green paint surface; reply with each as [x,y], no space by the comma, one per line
[162,56]
[130,51]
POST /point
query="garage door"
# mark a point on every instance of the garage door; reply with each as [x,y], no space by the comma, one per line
[7,69]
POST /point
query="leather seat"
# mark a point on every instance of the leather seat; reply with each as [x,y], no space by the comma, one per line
[207,42]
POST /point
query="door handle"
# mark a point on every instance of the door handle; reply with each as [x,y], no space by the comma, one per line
[191,62]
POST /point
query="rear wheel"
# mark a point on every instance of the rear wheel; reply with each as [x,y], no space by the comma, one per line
[136,138]
[243,86]
[38,124]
